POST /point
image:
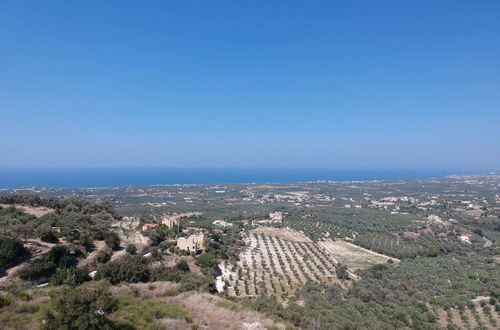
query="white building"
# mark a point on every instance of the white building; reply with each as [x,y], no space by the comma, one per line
[192,243]
[222,223]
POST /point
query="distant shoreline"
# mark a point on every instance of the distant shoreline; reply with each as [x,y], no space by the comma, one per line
[80,178]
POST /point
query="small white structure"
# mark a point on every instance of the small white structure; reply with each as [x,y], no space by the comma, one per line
[465,238]
[222,223]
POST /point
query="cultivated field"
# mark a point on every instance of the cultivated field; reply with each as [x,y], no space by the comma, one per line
[275,262]
[353,256]
[283,233]
[476,316]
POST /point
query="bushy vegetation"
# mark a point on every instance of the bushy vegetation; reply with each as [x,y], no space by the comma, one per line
[436,270]
[76,220]
[324,308]
[10,250]
[57,257]
[134,268]
[84,307]
[226,245]
[131,249]
[131,269]
[207,261]
[449,282]
[70,276]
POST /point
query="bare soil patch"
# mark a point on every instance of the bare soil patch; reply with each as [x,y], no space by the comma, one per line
[283,233]
[36,248]
[353,256]
[209,311]
[129,232]
[90,260]
[212,312]
[37,211]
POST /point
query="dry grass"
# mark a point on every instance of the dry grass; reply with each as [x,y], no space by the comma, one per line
[283,233]
[205,310]
[37,211]
[353,256]
[130,234]
[148,290]
[212,312]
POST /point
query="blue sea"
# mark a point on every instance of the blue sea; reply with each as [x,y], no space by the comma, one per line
[113,177]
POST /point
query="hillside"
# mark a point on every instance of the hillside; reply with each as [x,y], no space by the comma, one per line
[364,255]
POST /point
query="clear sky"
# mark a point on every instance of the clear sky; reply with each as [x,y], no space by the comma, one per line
[337,84]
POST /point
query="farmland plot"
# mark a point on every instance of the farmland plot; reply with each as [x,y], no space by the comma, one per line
[276,262]
[476,316]
[353,256]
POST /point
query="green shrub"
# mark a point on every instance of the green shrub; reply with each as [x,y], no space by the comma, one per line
[48,236]
[182,265]
[171,292]
[207,261]
[10,250]
[61,256]
[129,269]
[191,281]
[23,295]
[131,249]
[70,276]
[112,240]
[102,257]
[84,307]
[37,270]
[5,300]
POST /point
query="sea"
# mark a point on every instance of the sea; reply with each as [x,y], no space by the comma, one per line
[114,177]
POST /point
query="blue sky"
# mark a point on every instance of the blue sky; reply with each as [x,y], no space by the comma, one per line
[337,84]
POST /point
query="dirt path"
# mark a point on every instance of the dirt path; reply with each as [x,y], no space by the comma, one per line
[37,248]
[90,261]
[130,234]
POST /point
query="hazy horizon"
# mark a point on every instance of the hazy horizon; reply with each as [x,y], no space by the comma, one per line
[120,177]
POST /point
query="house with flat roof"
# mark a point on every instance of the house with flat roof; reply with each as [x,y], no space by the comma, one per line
[193,243]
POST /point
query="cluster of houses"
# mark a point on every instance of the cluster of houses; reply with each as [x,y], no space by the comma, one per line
[196,242]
